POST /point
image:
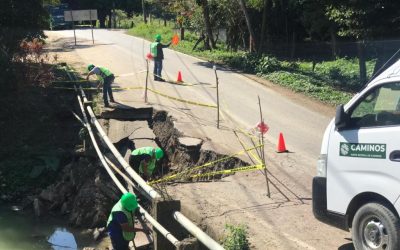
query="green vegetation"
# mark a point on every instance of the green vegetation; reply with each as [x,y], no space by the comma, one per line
[236,238]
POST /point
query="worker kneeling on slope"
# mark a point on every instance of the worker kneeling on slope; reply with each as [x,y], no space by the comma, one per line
[121,221]
[143,160]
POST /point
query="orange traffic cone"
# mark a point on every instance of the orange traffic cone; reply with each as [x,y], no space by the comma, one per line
[281,144]
[179,77]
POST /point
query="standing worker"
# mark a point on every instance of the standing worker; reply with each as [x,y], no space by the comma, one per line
[156,50]
[121,222]
[106,77]
[143,160]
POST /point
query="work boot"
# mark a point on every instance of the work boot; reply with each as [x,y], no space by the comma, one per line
[161,80]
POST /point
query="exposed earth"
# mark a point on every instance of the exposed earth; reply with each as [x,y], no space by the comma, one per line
[278,222]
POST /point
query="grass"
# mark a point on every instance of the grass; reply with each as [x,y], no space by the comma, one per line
[236,238]
[332,82]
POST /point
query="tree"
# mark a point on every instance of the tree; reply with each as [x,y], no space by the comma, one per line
[19,20]
[249,26]
[209,40]
[364,20]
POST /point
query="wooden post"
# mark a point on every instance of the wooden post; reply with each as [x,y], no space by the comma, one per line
[217,82]
[147,80]
[73,26]
[263,152]
[91,24]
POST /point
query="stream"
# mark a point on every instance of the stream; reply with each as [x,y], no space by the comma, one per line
[20,230]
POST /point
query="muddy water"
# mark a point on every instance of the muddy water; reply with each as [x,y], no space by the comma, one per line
[21,231]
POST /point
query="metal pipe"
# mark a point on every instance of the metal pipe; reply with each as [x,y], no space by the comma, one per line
[197,232]
[141,183]
[157,225]
[179,217]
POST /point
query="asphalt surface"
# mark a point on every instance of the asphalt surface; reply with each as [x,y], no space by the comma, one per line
[301,126]
[287,225]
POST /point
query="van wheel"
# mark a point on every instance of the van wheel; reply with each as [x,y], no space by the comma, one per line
[375,227]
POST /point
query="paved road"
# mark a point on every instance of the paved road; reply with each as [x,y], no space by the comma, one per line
[292,226]
[302,127]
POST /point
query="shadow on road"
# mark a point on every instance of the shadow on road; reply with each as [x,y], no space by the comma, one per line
[348,246]
[210,65]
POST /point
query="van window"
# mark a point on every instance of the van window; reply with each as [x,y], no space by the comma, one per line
[380,107]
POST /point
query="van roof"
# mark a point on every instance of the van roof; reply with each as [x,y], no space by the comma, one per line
[392,71]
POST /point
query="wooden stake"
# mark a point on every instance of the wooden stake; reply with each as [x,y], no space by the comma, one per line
[147,79]
[217,82]
[73,26]
[91,24]
[263,151]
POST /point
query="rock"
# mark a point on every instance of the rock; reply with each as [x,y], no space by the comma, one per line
[16,208]
[37,207]
[190,143]
[98,232]
[47,194]
[64,208]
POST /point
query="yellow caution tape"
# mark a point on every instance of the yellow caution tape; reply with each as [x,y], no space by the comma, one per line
[182,100]
[230,171]
[250,152]
[225,171]
[170,177]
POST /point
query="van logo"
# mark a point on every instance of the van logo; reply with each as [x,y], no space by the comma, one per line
[363,150]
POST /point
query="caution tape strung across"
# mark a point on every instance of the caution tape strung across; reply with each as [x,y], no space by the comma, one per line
[157,93]
[174,176]
[220,172]
[182,100]
[230,171]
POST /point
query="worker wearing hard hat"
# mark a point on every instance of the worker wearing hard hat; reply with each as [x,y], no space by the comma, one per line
[106,77]
[121,222]
[143,160]
[156,50]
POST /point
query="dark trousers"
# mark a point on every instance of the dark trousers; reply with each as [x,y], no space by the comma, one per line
[119,243]
[107,91]
[157,69]
[134,162]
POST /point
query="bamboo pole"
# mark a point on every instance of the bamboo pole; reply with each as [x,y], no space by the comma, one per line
[147,80]
[217,83]
[263,151]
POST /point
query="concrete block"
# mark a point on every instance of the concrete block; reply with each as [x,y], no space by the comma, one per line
[162,212]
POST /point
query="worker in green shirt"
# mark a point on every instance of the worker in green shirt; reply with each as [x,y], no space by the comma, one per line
[106,77]
[143,160]
[121,221]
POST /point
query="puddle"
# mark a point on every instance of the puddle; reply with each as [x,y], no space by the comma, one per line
[22,231]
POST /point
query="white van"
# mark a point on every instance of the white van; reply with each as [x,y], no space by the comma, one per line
[358,175]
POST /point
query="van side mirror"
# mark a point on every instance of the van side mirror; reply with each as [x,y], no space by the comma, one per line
[342,118]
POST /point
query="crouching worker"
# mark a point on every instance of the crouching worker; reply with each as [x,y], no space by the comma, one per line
[143,160]
[106,78]
[121,221]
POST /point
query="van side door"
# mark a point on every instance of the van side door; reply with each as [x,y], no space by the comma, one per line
[364,155]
